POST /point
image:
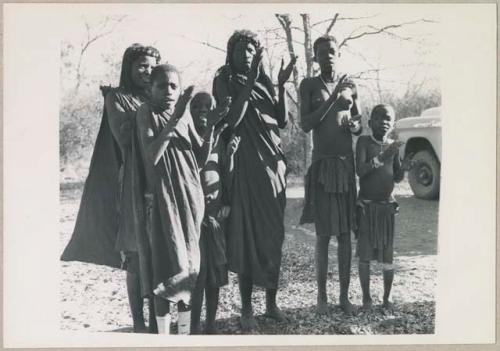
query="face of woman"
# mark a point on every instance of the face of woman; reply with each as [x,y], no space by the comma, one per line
[242,56]
[165,90]
[141,70]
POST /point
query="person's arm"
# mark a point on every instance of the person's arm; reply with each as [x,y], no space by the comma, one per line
[309,119]
[357,127]
[364,165]
[155,146]
[230,150]
[398,170]
[119,120]
[203,144]
[282,106]
[240,105]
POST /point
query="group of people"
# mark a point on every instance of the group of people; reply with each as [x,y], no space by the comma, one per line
[183,187]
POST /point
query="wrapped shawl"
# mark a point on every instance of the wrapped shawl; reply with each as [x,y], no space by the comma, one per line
[168,201]
[256,222]
[103,226]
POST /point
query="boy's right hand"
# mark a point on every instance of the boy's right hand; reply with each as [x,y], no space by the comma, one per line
[233,144]
[180,106]
[336,91]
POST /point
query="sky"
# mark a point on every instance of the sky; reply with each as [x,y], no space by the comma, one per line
[178,31]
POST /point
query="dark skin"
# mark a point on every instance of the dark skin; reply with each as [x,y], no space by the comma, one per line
[201,108]
[168,100]
[325,110]
[247,59]
[381,124]
[121,127]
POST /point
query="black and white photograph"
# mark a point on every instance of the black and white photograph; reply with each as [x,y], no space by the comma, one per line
[257,170]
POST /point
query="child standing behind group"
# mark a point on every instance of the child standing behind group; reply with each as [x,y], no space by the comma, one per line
[378,167]
[216,180]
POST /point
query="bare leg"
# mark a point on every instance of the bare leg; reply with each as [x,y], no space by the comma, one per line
[364,278]
[136,302]
[344,256]
[321,272]
[388,278]
[162,309]
[196,303]
[272,309]
[153,326]
[184,319]
[248,322]
[212,297]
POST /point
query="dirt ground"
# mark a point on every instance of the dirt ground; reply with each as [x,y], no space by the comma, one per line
[94,297]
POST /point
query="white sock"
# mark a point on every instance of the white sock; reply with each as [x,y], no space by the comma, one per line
[184,323]
[163,324]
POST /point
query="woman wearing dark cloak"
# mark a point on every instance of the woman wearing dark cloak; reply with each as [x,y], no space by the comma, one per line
[255,226]
[104,230]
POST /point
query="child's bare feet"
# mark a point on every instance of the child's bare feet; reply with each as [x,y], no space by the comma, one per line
[211,329]
[322,306]
[141,329]
[275,313]
[247,321]
[346,306]
[195,329]
[367,305]
[388,305]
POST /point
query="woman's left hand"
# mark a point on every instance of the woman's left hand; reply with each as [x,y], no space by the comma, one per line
[224,212]
[215,115]
[284,73]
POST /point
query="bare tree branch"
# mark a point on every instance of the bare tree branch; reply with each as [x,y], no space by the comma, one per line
[102,32]
[344,19]
[332,23]
[206,43]
[384,29]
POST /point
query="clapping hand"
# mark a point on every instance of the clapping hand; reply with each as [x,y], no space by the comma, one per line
[215,115]
[180,106]
[284,73]
[338,87]
[255,66]
[233,144]
[223,212]
[390,151]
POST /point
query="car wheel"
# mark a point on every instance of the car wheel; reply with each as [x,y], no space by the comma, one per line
[424,177]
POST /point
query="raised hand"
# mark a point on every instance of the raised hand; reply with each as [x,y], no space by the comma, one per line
[215,115]
[223,212]
[233,144]
[180,106]
[391,150]
[218,131]
[338,87]
[284,73]
[255,67]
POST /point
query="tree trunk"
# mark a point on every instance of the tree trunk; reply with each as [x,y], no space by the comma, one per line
[308,51]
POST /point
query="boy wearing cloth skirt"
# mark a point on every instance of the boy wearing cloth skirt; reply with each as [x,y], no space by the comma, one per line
[378,167]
